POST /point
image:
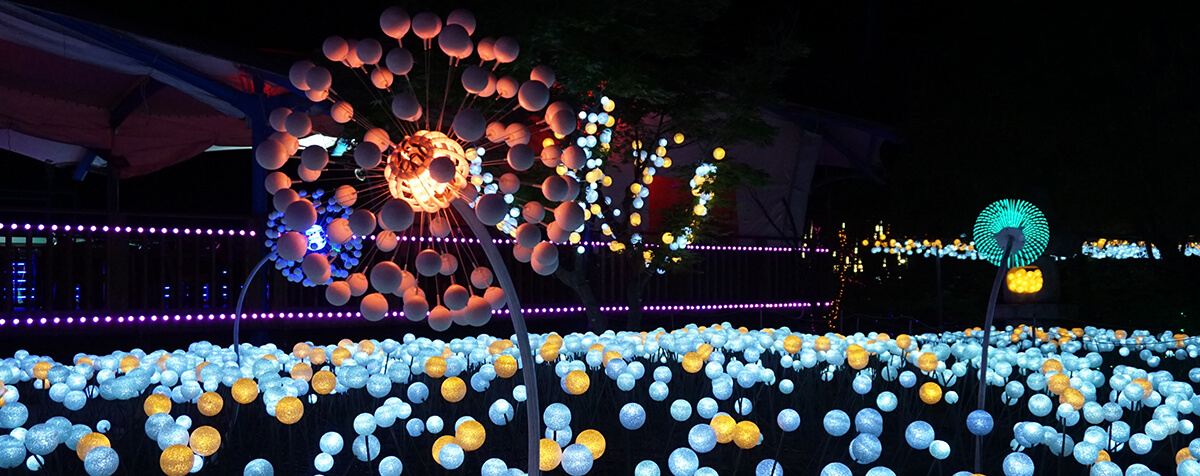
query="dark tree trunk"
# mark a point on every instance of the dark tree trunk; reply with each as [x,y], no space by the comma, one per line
[576,279]
[633,295]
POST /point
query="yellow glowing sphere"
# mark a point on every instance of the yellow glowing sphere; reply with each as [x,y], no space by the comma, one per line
[129,362]
[723,425]
[88,360]
[555,339]
[612,120]
[577,382]
[1057,383]
[244,390]
[1145,385]
[549,455]
[660,151]
[1104,456]
[1024,280]
[609,355]
[903,341]
[647,179]
[666,162]
[745,435]
[317,356]
[40,369]
[792,344]
[205,440]
[1182,455]
[692,362]
[176,460]
[435,367]
[89,442]
[1072,397]
[857,357]
[931,393]
[302,371]
[822,343]
[719,153]
[635,188]
[704,350]
[324,382]
[301,350]
[668,238]
[700,210]
[210,403]
[547,142]
[678,138]
[157,403]
[505,365]
[289,410]
[590,128]
[927,362]
[607,181]
[575,236]
[608,107]
[340,355]
[439,443]
[549,352]
[454,389]
[470,435]
[366,346]
[594,441]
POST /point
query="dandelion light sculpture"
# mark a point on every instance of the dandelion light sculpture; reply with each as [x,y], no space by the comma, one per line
[1009,234]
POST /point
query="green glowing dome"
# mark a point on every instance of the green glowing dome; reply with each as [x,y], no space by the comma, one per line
[1017,220]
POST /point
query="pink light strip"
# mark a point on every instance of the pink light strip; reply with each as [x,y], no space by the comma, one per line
[605,244]
[168,318]
[127,229]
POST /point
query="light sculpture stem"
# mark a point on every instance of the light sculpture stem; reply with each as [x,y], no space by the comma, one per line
[514,306]
[237,312]
[987,339]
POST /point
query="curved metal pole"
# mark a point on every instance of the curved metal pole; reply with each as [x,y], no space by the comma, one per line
[987,341]
[237,313]
[514,306]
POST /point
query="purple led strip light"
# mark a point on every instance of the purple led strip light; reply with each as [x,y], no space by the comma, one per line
[29,321]
[128,229]
[510,241]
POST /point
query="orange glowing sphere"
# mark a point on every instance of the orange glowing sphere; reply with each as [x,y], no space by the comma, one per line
[89,442]
[289,410]
[129,362]
[1052,365]
[470,435]
[176,460]
[577,382]
[40,369]
[746,434]
[210,404]
[1181,455]
[88,360]
[1057,383]
[1104,456]
[594,441]
[931,393]
[340,355]
[1073,397]
[549,455]
[302,371]
[704,350]
[883,337]
[792,344]
[927,362]
[692,362]
[317,356]
[435,367]
[324,382]
[723,426]
[157,403]
[439,443]
[205,440]
[301,350]
[366,346]
[506,366]
[200,368]
[903,341]
[244,390]
[454,389]
[822,343]
[1145,385]
[549,352]
[609,355]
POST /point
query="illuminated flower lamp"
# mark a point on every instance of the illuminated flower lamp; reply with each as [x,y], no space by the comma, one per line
[1024,280]
[1008,233]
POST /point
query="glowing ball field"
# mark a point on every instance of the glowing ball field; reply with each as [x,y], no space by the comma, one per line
[692,401]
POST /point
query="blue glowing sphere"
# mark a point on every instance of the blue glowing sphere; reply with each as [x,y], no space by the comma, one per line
[451,456]
[647,468]
[836,422]
[75,400]
[723,387]
[74,434]
[768,467]
[861,384]
[836,469]
[13,415]
[1028,434]
[501,412]
[323,462]
[625,382]
[1106,468]
[865,448]
[415,427]
[886,401]
[1189,467]
[494,467]
[702,438]
[939,449]
[869,421]
[659,391]
[101,461]
[259,467]
[786,386]
[379,385]
[557,416]
[562,437]
[908,379]
[418,392]
[1040,405]
[434,424]
[681,410]
[683,462]
[385,416]
[366,447]
[1140,443]
[881,471]
[633,416]
[364,424]
[1014,389]
[12,452]
[1138,469]
[743,406]
[41,439]
[577,459]
[519,393]
[662,374]
[172,435]
[390,466]
[706,471]
[1018,464]
[332,442]
[979,422]
[706,408]
[788,420]
[747,379]
[1113,411]
[1086,453]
